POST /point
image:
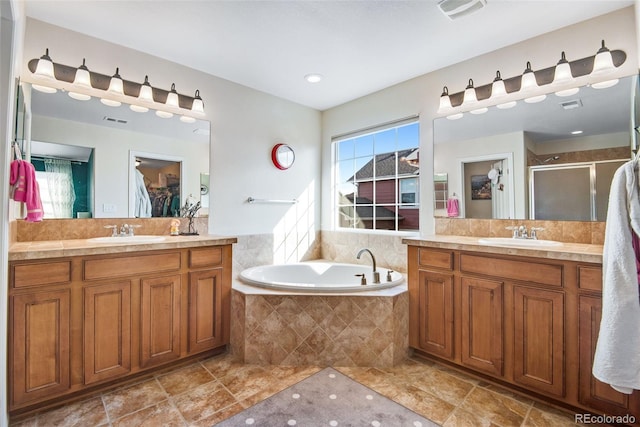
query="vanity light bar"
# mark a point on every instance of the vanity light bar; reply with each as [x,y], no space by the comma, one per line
[504,92]
[153,97]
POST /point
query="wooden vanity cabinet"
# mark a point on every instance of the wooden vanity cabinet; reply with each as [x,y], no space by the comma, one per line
[88,321]
[593,393]
[529,322]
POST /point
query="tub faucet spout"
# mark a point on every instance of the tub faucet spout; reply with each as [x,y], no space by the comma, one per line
[376,275]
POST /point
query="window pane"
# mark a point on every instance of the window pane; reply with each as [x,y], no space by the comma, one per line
[408,136]
[364,146]
[378,191]
[345,149]
[385,141]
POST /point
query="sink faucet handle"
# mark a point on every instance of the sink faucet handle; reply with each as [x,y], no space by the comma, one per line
[363,279]
[389,279]
[534,231]
[515,229]
[132,227]
[114,229]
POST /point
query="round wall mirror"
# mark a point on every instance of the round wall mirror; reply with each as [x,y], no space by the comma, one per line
[282,156]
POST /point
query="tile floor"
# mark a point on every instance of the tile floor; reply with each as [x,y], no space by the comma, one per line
[211,390]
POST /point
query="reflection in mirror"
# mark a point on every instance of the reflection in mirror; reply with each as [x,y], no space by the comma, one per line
[155,185]
[591,127]
[112,133]
[64,174]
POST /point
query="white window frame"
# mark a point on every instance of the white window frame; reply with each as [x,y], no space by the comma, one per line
[397,205]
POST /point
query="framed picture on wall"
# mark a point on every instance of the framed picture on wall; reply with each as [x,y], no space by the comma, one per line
[480,187]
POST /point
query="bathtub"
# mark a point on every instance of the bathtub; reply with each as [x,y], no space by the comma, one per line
[318,276]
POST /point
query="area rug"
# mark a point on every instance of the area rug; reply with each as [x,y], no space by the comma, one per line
[327,398]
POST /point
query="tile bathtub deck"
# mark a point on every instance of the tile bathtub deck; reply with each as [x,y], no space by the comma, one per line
[209,391]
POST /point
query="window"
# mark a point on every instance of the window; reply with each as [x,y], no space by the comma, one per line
[376,182]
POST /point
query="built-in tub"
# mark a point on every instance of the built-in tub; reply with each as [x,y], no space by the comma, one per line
[317,276]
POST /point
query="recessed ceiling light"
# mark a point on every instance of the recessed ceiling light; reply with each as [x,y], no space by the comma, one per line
[313,78]
[576,132]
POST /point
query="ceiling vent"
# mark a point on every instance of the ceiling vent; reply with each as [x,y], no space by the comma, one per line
[455,9]
[570,105]
[114,120]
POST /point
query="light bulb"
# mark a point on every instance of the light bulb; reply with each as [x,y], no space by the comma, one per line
[44,69]
[562,72]
[445,101]
[530,84]
[116,85]
[470,97]
[603,62]
[146,91]
[172,97]
[198,105]
[498,90]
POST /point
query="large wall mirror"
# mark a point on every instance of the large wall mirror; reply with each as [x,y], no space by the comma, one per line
[106,147]
[551,160]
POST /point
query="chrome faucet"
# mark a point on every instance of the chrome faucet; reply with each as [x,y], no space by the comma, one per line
[376,275]
[522,233]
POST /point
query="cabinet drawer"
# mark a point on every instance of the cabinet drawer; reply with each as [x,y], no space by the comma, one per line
[590,278]
[205,257]
[133,264]
[435,258]
[46,273]
[527,271]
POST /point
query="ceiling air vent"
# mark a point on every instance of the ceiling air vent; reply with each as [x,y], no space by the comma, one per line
[570,105]
[454,9]
[114,120]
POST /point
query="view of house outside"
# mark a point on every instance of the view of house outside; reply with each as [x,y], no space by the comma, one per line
[377,179]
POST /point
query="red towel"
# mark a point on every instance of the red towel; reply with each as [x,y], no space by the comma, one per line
[24,188]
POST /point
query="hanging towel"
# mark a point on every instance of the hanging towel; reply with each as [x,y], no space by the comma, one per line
[24,188]
[453,207]
[143,201]
[617,356]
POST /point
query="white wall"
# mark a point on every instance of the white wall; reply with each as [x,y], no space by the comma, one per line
[421,95]
[245,124]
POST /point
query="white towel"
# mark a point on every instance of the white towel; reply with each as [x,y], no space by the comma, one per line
[143,201]
[617,357]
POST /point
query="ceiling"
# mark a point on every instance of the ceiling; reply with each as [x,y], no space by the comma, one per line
[359,47]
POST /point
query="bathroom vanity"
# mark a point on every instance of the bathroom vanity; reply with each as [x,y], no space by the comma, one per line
[524,317]
[85,316]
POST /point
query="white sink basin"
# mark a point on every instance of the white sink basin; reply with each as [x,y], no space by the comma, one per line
[128,239]
[509,241]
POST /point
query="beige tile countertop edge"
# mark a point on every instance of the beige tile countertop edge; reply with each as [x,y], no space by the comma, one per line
[79,247]
[580,252]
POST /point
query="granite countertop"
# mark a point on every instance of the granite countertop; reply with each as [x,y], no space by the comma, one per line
[79,247]
[581,252]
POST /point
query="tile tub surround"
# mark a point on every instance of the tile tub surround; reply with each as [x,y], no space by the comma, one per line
[272,328]
[66,229]
[563,231]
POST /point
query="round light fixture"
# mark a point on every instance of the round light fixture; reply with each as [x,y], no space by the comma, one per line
[313,77]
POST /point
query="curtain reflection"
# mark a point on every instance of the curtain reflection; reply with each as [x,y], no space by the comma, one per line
[59,188]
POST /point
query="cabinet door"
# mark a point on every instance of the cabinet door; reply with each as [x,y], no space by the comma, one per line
[482,325]
[594,393]
[435,313]
[539,339]
[39,365]
[160,320]
[205,310]
[107,331]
